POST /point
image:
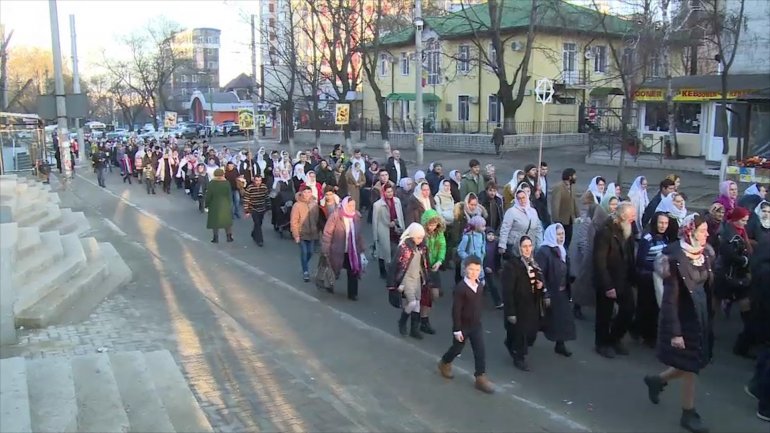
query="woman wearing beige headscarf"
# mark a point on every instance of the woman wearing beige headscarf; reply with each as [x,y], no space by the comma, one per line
[355,180]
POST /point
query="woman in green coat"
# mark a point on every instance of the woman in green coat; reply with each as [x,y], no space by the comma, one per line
[219,201]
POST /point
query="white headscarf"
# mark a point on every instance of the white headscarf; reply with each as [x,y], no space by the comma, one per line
[514,180]
[637,194]
[527,206]
[419,174]
[610,189]
[752,190]
[261,163]
[452,175]
[404,182]
[299,172]
[355,172]
[417,193]
[594,188]
[414,229]
[549,240]
[667,205]
[758,211]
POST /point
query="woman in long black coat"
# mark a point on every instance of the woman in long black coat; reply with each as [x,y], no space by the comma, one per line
[683,331]
[559,324]
[523,302]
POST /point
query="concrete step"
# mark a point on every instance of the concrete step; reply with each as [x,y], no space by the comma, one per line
[14,396]
[73,222]
[100,408]
[50,220]
[46,254]
[31,213]
[146,412]
[72,301]
[53,404]
[182,407]
[28,242]
[41,284]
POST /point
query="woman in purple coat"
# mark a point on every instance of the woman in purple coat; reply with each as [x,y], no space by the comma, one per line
[343,244]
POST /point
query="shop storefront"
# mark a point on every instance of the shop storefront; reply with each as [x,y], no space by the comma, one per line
[698,112]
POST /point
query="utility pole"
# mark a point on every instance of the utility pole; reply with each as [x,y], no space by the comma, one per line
[254,79]
[61,101]
[418,24]
[76,87]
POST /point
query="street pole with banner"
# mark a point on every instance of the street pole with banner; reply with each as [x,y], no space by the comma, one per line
[61,102]
[543,95]
[342,115]
[418,24]
[254,77]
[246,123]
[76,88]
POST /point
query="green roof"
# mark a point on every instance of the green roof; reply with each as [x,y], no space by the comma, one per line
[426,97]
[553,16]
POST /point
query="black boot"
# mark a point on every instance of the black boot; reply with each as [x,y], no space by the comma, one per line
[655,386]
[415,329]
[561,349]
[230,237]
[425,326]
[402,324]
[215,239]
[691,421]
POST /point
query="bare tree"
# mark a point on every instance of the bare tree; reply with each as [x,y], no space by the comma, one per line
[724,31]
[5,41]
[308,67]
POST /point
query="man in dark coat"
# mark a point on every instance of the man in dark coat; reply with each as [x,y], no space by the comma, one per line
[498,138]
[434,178]
[494,206]
[614,271]
[666,188]
[537,196]
[396,167]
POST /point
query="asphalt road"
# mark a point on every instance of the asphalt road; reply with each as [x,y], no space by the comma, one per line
[352,350]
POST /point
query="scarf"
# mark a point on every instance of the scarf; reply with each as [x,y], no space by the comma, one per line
[667,206]
[391,204]
[414,229]
[453,177]
[353,259]
[594,188]
[752,190]
[765,223]
[549,239]
[694,253]
[424,201]
[686,241]
[513,184]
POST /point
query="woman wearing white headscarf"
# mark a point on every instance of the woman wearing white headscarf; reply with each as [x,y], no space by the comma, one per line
[456,177]
[509,190]
[407,276]
[298,177]
[419,176]
[595,191]
[445,203]
[355,179]
[754,194]
[673,205]
[418,203]
[521,219]
[552,258]
[638,196]
[260,162]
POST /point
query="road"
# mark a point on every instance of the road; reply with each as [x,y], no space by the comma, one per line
[264,351]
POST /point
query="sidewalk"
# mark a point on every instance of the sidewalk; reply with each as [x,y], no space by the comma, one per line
[690,165]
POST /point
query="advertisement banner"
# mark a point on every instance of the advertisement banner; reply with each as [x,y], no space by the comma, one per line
[246,118]
[342,115]
[687,95]
[169,119]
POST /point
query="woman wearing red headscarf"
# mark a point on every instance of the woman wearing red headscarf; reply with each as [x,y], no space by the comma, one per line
[733,276]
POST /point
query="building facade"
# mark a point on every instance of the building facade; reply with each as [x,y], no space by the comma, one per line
[197,54]
[460,87]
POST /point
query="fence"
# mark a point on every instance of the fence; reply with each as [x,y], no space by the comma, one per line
[450,127]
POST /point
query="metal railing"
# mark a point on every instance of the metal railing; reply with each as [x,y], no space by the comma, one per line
[453,127]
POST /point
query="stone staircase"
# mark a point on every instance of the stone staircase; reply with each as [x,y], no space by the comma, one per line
[116,392]
[56,275]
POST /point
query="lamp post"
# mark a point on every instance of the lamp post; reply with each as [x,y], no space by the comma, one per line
[418,25]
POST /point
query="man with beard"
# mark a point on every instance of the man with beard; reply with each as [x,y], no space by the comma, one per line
[537,196]
[564,203]
[613,276]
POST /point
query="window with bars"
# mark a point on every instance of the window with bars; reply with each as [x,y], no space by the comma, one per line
[463,108]
[464,59]
[433,60]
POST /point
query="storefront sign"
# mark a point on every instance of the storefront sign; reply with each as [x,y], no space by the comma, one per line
[687,95]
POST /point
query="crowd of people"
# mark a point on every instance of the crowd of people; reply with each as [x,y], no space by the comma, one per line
[543,249]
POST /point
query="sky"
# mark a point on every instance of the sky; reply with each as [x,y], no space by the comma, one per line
[100,24]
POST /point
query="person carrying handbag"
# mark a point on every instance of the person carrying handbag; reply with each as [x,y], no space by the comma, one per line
[408,276]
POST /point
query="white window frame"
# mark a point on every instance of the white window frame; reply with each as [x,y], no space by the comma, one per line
[569,62]
[460,108]
[405,63]
[404,109]
[498,112]
[464,58]
[384,64]
[433,60]
[600,59]
[492,54]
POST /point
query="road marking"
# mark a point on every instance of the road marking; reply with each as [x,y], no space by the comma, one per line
[114,227]
[346,317]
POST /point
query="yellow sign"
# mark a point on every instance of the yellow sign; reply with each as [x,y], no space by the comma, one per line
[169,119]
[685,95]
[245,118]
[342,116]
[262,119]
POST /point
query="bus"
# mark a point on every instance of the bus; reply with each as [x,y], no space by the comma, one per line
[22,140]
[94,129]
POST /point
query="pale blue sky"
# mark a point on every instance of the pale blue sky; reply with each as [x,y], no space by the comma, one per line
[101,23]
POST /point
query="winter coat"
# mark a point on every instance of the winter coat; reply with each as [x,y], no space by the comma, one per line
[489,204]
[415,209]
[445,205]
[760,290]
[325,177]
[518,222]
[472,243]
[354,186]
[520,298]
[461,220]
[613,260]
[678,313]
[333,240]
[381,227]
[304,218]
[471,184]
[391,167]
[733,261]
[436,243]
[402,258]
[219,201]
[434,180]
[563,204]
[559,323]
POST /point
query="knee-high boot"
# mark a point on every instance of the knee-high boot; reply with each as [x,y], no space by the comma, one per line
[402,323]
[415,329]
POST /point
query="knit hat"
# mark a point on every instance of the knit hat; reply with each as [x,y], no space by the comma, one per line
[528,168]
[738,213]
[219,172]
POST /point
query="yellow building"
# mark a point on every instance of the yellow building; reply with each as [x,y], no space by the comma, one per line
[460,87]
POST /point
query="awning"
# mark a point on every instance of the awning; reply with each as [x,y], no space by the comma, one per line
[600,92]
[426,97]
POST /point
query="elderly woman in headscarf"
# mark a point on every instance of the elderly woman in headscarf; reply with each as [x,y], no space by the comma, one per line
[490,174]
[419,176]
[559,324]
[728,196]
[408,274]
[509,190]
[355,179]
[298,177]
[280,192]
[261,163]
[595,191]
[683,335]
[405,190]
[219,202]
[445,203]
[638,196]
[521,219]
[456,177]
[523,301]
[418,203]
[343,244]
[673,205]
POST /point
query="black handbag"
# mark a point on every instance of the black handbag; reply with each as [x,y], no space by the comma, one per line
[394,298]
